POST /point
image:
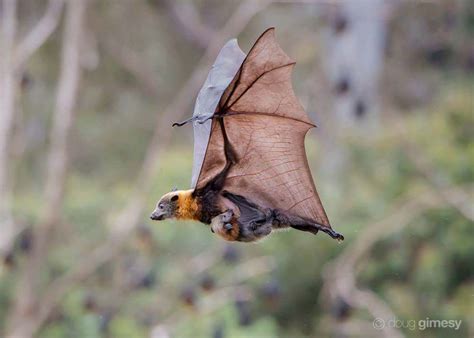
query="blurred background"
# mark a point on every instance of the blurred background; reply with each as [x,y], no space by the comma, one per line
[88,92]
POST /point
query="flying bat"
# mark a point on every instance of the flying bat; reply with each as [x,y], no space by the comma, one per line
[250,172]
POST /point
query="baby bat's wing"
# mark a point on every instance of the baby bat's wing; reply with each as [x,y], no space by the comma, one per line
[264,126]
[222,72]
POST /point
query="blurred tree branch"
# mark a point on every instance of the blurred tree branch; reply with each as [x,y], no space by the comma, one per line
[39,33]
[186,17]
[458,199]
[7,99]
[49,270]
[26,308]
[12,59]
[340,275]
[131,62]
[127,219]
[436,179]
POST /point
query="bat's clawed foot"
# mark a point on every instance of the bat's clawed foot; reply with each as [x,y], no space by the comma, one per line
[337,236]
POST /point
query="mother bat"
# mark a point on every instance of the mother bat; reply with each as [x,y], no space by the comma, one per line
[250,174]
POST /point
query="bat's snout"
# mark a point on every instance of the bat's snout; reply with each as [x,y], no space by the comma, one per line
[156,216]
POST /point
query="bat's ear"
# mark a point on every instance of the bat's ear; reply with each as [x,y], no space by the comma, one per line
[174,189]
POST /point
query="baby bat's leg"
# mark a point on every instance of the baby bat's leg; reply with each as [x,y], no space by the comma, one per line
[281,218]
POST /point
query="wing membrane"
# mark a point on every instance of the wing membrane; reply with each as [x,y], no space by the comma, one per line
[222,72]
[265,126]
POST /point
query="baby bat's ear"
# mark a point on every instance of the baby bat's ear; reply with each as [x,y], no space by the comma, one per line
[174,198]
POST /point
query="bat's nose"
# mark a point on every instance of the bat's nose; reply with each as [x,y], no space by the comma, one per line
[156,217]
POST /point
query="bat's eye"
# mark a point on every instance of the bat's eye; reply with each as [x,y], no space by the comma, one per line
[160,205]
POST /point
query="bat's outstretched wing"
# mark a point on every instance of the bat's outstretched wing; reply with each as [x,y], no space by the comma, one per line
[264,125]
[222,72]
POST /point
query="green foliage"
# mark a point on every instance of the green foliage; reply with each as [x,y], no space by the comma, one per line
[424,270]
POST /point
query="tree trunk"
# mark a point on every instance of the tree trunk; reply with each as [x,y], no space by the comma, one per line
[25,318]
[7,99]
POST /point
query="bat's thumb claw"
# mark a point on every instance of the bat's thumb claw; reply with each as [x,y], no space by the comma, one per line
[204,119]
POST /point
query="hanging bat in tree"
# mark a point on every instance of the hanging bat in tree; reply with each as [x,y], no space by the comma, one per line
[250,174]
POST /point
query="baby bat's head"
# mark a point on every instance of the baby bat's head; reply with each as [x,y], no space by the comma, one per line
[226,226]
[167,206]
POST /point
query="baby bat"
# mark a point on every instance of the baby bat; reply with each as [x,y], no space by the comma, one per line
[254,223]
[250,172]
